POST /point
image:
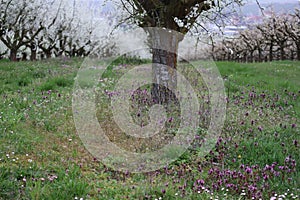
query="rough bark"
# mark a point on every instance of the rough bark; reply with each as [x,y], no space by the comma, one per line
[164,75]
[164,46]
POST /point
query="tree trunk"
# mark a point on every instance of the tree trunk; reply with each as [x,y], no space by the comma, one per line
[271,52]
[282,52]
[244,57]
[24,56]
[33,51]
[33,54]
[48,54]
[164,46]
[298,51]
[60,50]
[228,57]
[164,75]
[47,51]
[251,56]
[13,55]
[259,55]
[291,54]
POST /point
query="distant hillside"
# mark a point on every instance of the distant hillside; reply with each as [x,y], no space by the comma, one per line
[253,9]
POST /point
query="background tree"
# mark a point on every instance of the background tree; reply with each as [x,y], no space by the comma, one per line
[46,40]
[292,29]
[20,23]
[52,28]
[281,37]
[276,38]
[251,45]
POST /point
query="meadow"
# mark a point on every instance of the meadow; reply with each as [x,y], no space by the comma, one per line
[256,157]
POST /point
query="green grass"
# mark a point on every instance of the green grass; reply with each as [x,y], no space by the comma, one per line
[41,156]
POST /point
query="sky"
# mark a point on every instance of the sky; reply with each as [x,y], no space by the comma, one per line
[277,1]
